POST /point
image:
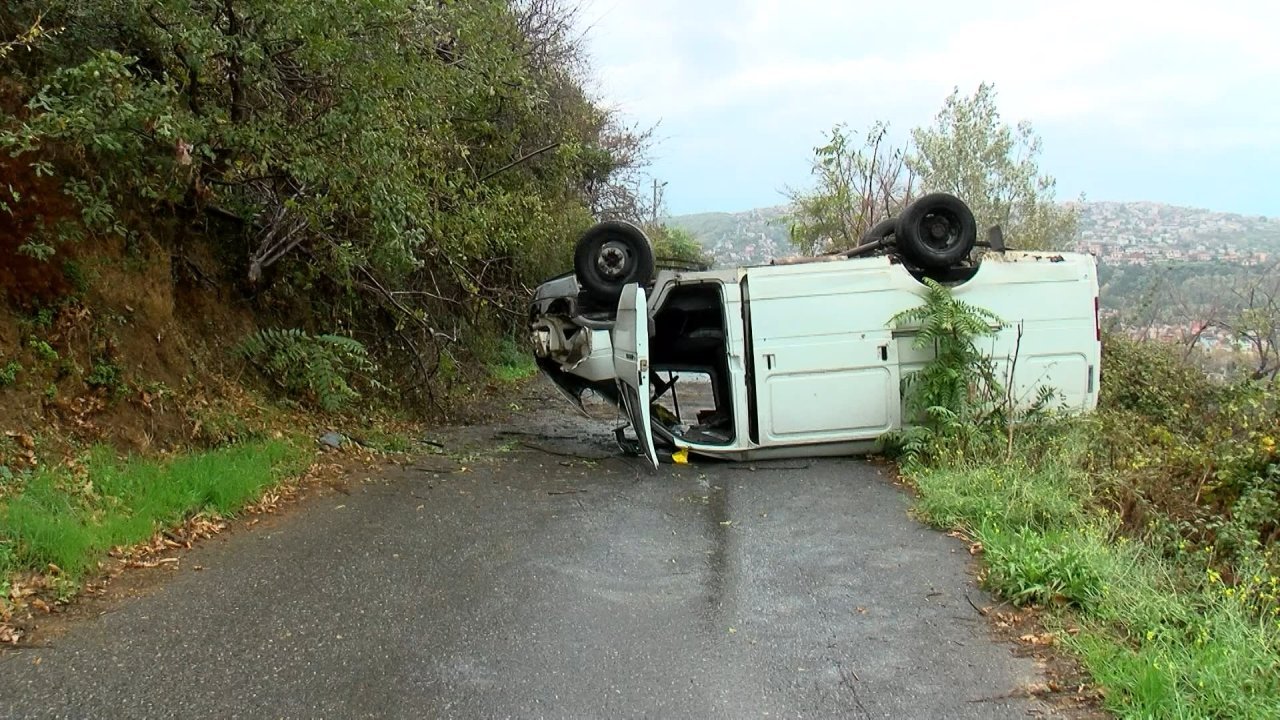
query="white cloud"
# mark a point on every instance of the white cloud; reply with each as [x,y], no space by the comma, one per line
[1159,76]
[1098,52]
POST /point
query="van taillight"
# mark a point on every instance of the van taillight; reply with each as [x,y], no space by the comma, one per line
[1097,317]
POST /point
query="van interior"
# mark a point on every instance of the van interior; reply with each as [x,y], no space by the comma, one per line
[689,358]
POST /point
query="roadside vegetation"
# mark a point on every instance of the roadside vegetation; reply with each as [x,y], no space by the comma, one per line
[226,223]
[65,519]
[1147,532]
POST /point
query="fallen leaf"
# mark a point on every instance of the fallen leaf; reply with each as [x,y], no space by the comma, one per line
[24,440]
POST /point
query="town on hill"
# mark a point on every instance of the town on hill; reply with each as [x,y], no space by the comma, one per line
[1117,233]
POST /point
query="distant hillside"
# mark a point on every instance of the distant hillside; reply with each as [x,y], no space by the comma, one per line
[742,238]
[1121,233]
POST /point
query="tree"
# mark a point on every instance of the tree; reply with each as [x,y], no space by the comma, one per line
[1255,322]
[673,244]
[970,152]
[857,186]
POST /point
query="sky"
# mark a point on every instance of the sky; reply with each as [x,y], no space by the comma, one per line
[1169,101]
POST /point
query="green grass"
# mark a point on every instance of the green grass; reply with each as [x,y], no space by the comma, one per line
[512,362]
[72,521]
[1162,633]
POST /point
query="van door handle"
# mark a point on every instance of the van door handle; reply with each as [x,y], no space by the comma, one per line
[884,353]
[768,361]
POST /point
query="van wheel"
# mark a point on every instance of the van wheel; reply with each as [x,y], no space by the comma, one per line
[611,255]
[937,231]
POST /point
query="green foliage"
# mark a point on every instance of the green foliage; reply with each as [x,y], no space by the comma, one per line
[408,168]
[72,522]
[955,395]
[970,152]
[978,496]
[25,39]
[9,373]
[1191,461]
[323,369]
[1032,567]
[106,375]
[856,187]
[1153,380]
[43,350]
[1151,525]
[959,372]
[512,362]
[677,245]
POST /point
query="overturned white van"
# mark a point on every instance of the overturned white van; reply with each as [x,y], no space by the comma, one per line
[801,358]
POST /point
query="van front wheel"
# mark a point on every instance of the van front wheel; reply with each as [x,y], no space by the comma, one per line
[937,231]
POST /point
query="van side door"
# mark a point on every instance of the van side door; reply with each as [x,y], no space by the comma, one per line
[824,361]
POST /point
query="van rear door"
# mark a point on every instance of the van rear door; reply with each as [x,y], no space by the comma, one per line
[824,359]
[631,365]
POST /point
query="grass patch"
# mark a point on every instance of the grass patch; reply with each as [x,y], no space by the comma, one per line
[1164,634]
[73,519]
[512,362]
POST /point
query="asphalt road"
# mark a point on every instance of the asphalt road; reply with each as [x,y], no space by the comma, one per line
[552,579]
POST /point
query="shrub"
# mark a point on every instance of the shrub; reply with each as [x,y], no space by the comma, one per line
[107,376]
[9,373]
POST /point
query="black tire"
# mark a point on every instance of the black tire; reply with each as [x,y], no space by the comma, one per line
[880,231]
[610,255]
[937,231]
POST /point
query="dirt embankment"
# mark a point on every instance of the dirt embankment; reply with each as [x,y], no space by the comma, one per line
[111,340]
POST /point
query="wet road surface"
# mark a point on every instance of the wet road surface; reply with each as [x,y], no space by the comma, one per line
[552,579]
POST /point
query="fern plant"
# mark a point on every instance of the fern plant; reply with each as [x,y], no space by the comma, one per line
[321,369]
[955,395]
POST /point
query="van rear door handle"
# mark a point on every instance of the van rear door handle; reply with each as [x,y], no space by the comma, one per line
[768,361]
[884,353]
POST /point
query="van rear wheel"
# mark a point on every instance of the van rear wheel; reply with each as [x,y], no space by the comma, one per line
[937,231]
[611,255]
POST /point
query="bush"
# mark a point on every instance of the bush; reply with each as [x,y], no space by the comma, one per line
[9,373]
[1153,381]
[107,376]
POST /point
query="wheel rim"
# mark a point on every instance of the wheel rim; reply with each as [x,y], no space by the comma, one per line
[614,260]
[941,229]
